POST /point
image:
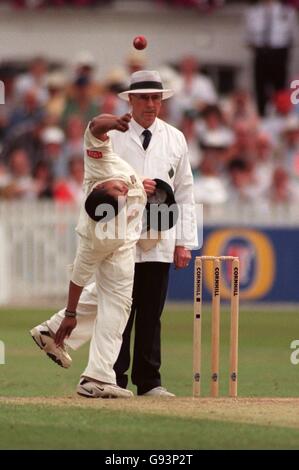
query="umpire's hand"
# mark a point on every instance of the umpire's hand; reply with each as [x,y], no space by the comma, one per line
[182,257]
[149,186]
[65,330]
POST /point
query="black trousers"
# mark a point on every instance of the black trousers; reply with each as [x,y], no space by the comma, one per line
[149,294]
[270,74]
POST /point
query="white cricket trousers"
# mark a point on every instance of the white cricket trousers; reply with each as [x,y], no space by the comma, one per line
[102,314]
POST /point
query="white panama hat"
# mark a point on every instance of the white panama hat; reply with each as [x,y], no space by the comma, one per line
[146,81]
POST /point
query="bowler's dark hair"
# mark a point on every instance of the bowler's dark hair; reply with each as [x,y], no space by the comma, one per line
[97,198]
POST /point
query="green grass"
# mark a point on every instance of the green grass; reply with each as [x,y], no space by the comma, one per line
[264,371]
[36,427]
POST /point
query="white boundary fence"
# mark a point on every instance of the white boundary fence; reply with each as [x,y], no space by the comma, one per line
[4,266]
[38,241]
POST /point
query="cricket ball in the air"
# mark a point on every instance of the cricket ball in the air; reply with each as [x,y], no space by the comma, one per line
[140,42]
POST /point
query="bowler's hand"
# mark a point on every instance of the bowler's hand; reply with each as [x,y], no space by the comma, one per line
[65,330]
[149,186]
[122,122]
[104,123]
[182,257]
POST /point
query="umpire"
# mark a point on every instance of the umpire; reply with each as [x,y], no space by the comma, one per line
[155,150]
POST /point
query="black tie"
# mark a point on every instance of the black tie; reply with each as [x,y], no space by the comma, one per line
[147,138]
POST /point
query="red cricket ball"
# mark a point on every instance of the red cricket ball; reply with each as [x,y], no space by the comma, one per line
[140,42]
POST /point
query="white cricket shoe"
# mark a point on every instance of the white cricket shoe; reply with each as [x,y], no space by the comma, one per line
[158,392]
[45,341]
[91,389]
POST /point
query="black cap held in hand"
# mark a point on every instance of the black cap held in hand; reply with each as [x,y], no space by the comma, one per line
[165,191]
[161,211]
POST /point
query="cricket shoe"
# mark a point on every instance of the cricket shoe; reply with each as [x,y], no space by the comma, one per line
[45,341]
[158,392]
[90,389]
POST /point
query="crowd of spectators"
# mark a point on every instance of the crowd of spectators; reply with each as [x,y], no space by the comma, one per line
[235,154]
[57,3]
[199,4]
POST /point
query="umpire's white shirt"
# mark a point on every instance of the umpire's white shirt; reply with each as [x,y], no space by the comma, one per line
[166,158]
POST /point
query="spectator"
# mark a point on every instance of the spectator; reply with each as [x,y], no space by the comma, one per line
[7,76]
[70,190]
[264,162]
[4,177]
[209,185]
[172,81]
[55,105]
[283,109]
[216,147]
[196,90]
[283,189]
[28,138]
[29,113]
[135,61]
[43,181]
[188,127]
[19,184]
[115,83]
[289,147]
[245,141]
[85,67]
[35,79]
[81,103]
[111,104]
[239,108]
[242,183]
[270,32]
[53,140]
[212,126]
[215,137]
[74,136]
